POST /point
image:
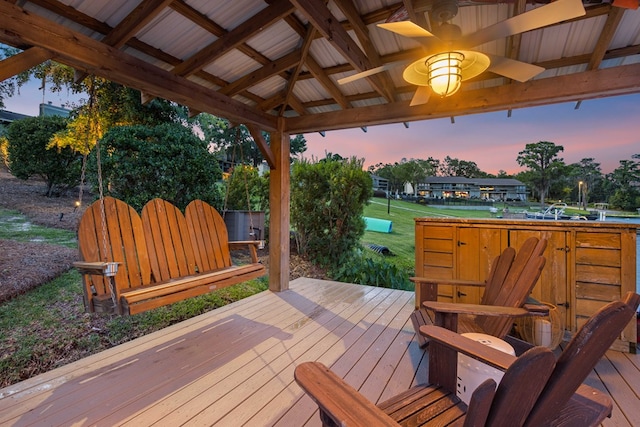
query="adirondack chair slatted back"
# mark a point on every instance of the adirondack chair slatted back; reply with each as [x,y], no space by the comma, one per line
[168,241]
[208,233]
[516,286]
[581,355]
[125,243]
[499,270]
[520,387]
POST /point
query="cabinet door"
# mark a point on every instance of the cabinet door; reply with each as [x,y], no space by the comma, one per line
[434,255]
[476,250]
[553,284]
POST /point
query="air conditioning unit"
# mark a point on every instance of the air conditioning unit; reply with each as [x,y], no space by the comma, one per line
[472,373]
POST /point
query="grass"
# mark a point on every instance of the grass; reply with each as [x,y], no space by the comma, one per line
[15,226]
[401,240]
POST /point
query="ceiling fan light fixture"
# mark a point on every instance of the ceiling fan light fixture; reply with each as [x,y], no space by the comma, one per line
[445,72]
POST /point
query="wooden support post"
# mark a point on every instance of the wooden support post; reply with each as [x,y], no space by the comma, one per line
[279,190]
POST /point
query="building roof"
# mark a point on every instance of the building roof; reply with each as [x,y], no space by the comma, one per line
[7,117]
[254,61]
[471,181]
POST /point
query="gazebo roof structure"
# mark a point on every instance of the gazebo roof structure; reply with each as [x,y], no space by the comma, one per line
[274,65]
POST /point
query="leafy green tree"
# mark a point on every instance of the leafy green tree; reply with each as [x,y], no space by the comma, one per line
[246,189]
[236,143]
[327,202]
[167,161]
[625,183]
[30,154]
[414,171]
[110,105]
[389,172]
[456,167]
[586,177]
[544,166]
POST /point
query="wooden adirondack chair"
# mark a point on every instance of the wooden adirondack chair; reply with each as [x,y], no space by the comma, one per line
[536,390]
[511,279]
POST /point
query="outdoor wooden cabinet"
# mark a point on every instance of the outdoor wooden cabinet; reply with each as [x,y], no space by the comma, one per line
[588,263]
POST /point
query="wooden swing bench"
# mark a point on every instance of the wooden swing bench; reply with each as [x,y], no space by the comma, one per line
[162,256]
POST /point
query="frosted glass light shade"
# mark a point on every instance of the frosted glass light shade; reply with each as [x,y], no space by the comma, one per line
[445,73]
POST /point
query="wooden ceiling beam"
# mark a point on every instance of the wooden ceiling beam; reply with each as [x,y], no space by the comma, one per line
[321,76]
[606,35]
[362,33]
[262,145]
[574,87]
[291,83]
[317,12]
[23,61]
[315,70]
[513,43]
[203,21]
[274,68]
[85,53]
[261,20]
[100,27]
[140,16]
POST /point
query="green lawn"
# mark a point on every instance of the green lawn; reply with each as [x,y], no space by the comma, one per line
[401,241]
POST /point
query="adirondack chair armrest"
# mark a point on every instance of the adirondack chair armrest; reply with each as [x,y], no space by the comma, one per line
[472,348]
[475,309]
[537,309]
[252,245]
[337,400]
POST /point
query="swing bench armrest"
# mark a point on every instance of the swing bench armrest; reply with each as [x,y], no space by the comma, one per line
[252,245]
[99,268]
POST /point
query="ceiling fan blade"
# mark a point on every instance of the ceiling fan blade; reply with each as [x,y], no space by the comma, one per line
[370,72]
[406,29]
[422,95]
[552,13]
[510,68]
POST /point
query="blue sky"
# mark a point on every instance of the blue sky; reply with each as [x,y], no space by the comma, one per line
[607,129]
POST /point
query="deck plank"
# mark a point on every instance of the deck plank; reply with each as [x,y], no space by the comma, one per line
[234,366]
[621,379]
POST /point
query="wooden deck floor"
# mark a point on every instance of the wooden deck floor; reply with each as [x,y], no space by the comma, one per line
[234,366]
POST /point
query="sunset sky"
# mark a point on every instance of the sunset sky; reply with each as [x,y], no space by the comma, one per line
[606,129]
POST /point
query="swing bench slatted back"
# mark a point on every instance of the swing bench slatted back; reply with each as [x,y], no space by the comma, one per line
[163,255]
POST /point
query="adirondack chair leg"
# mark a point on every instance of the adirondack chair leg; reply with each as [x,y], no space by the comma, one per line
[420,318]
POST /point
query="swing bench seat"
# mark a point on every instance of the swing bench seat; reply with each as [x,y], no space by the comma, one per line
[162,256]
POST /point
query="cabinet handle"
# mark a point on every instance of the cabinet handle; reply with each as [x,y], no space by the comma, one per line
[564,304]
[461,243]
[461,294]
[565,249]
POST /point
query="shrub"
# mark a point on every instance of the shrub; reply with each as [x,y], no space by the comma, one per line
[327,202]
[245,182]
[29,154]
[167,161]
[371,270]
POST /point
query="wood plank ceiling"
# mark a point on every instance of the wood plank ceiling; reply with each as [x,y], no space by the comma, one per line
[274,64]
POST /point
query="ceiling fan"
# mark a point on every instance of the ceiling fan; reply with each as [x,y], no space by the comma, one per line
[449,56]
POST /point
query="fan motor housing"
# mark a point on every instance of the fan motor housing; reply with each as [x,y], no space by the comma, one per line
[444,10]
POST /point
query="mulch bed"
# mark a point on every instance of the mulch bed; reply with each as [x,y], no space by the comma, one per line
[25,265]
